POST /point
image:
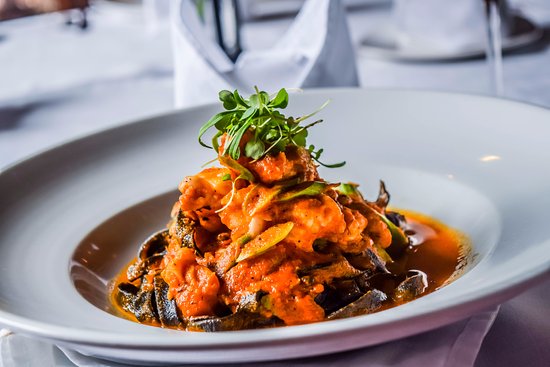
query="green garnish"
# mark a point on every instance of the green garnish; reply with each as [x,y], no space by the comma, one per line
[263,200]
[244,174]
[308,189]
[348,189]
[272,131]
[265,241]
[399,238]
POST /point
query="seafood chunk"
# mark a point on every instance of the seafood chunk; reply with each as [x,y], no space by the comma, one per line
[367,303]
[413,286]
[166,308]
[338,294]
[246,316]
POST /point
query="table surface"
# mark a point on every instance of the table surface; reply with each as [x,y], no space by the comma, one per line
[59,82]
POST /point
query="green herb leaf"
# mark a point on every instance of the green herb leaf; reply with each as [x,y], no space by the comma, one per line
[240,100]
[315,154]
[264,98]
[234,139]
[258,114]
[280,100]
[300,138]
[249,112]
[334,165]
[254,101]
[254,149]
[227,99]
[226,177]
[212,122]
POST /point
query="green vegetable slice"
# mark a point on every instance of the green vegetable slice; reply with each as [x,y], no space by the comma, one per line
[384,254]
[306,189]
[244,173]
[398,237]
[348,189]
[244,239]
[264,241]
[264,200]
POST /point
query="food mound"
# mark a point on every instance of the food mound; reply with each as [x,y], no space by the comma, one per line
[263,240]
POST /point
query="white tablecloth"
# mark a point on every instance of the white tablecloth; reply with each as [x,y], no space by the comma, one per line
[58,83]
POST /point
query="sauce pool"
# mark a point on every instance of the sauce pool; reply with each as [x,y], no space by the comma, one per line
[436,250]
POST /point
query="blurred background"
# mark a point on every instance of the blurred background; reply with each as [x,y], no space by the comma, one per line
[10,9]
[71,67]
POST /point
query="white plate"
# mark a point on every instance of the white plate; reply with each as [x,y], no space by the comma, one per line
[72,216]
[382,42]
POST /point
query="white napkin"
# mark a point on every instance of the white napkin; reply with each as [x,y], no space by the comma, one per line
[156,14]
[443,25]
[315,52]
[455,345]
[255,9]
[41,59]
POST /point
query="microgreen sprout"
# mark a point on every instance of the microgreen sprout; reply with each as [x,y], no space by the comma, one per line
[271,131]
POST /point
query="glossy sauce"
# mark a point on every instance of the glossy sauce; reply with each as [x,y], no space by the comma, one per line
[436,250]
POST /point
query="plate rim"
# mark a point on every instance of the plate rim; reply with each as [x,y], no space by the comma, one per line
[298,332]
[177,110]
[509,44]
[108,338]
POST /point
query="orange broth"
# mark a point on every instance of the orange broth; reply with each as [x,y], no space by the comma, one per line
[436,250]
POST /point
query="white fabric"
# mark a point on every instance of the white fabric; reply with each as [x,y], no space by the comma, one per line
[310,54]
[42,57]
[156,14]
[520,335]
[455,345]
[20,351]
[254,9]
[538,10]
[446,25]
